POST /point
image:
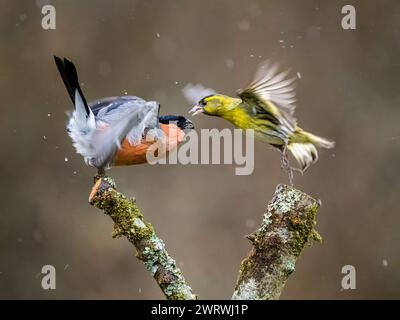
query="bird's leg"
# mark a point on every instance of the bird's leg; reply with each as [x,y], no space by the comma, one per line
[290,174]
[284,158]
[285,164]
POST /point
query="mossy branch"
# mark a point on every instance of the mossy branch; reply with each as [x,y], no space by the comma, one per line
[287,226]
[129,222]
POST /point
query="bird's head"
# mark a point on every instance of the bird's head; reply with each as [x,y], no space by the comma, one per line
[185,124]
[215,105]
[181,122]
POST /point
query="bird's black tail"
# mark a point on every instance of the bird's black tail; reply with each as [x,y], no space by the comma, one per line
[70,78]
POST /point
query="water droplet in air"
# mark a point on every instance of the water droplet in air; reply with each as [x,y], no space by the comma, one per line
[229,63]
[250,223]
[385,262]
[244,25]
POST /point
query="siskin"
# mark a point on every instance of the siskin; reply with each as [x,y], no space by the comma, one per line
[266,106]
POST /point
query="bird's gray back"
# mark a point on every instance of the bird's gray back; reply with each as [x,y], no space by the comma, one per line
[105,107]
[144,114]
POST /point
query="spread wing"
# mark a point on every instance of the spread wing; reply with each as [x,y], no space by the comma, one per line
[144,115]
[105,140]
[117,118]
[194,93]
[272,93]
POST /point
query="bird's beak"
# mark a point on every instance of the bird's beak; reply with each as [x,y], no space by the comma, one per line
[196,110]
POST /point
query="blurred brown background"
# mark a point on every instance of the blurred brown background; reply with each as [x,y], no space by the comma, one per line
[349,91]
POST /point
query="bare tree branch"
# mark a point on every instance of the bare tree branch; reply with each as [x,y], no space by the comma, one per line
[286,227]
[129,222]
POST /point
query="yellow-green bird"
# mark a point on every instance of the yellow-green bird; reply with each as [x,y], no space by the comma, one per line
[266,106]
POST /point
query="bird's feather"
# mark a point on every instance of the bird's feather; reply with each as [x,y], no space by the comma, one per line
[98,143]
[273,93]
[69,76]
[194,93]
[105,141]
[114,109]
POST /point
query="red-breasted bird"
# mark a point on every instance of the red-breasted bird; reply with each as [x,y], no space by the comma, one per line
[266,106]
[115,131]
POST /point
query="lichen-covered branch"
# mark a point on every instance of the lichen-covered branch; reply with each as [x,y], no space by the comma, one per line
[129,222]
[287,226]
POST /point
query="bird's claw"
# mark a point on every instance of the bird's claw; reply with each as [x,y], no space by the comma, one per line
[98,176]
